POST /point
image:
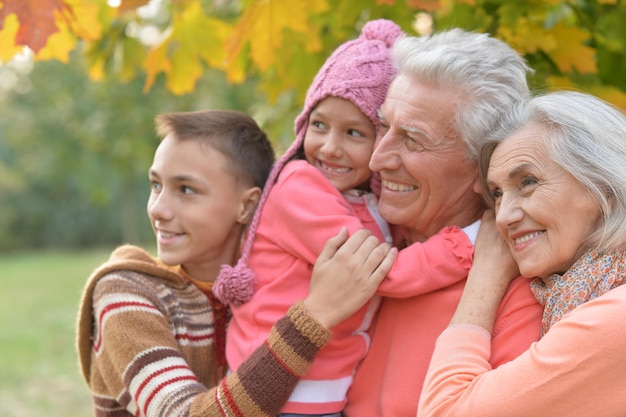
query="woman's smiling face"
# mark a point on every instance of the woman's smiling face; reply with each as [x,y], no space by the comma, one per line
[542,211]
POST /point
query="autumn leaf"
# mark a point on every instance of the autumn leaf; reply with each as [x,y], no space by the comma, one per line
[526,36]
[36,20]
[59,45]
[186,69]
[570,51]
[8,49]
[263,24]
[426,5]
[156,61]
[130,5]
[82,18]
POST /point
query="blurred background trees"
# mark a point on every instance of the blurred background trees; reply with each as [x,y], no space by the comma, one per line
[81,82]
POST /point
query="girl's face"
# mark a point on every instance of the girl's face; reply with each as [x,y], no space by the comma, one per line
[542,211]
[339,141]
[195,207]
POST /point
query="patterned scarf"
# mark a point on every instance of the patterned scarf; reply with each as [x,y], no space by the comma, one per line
[591,276]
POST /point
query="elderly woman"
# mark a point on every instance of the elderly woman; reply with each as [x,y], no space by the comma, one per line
[556,177]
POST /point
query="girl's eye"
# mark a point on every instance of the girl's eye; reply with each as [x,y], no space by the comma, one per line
[353,132]
[317,124]
[155,186]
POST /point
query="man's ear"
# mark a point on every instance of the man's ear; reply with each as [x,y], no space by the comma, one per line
[249,200]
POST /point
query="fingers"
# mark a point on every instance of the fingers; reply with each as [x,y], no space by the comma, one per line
[384,266]
[333,244]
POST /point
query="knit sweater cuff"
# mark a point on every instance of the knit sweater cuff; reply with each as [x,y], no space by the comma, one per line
[307,325]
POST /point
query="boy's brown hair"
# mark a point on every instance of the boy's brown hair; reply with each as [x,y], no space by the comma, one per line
[234,134]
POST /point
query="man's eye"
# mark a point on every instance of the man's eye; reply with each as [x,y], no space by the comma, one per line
[415,145]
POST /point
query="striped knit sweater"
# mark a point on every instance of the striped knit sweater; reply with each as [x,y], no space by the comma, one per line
[146,347]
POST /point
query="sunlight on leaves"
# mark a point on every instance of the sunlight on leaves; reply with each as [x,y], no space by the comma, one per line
[8,49]
[571,52]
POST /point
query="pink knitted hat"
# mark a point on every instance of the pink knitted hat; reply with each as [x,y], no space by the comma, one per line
[360,71]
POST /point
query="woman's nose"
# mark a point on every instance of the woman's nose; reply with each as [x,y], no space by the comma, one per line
[509,210]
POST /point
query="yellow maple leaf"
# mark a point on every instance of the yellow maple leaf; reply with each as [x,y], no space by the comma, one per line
[201,34]
[59,44]
[526,36]
[82,18]
[186,70]
[608,93]
[96,69]
[263,24]
[156,62]
[8,48]
[570,51]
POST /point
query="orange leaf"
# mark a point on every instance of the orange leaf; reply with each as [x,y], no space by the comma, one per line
[59,45]
[426,5]
[130,5]
[36,19]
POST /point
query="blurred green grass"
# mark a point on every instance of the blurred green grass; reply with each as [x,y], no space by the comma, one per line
[39,300]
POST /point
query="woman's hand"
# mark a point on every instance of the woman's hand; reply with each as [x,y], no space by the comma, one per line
[492,271]
[346,275]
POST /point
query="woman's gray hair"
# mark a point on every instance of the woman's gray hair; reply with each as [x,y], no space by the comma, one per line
[587,137]
[487,74]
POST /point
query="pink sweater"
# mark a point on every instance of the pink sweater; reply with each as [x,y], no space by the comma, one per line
[576,370]
[390,378]
[302,212]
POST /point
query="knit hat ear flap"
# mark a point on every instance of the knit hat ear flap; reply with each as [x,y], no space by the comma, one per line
[360,71]
[235,285]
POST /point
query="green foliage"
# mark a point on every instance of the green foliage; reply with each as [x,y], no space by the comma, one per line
[74,154]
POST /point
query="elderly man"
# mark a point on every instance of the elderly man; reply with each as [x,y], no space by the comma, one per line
[450,90]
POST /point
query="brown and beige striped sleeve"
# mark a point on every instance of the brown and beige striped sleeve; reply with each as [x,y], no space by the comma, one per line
[263,383]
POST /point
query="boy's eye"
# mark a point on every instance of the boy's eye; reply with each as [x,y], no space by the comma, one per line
[187,190]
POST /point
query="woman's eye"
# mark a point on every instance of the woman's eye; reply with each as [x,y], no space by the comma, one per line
[496,193]
[528,181]
[155,186]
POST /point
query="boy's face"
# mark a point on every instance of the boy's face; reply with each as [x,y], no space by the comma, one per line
[195,207]
[339,141]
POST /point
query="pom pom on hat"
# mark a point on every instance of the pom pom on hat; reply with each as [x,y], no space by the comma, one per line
[360,71]
[234,285]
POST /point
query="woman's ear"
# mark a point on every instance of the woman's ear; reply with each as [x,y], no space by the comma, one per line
[249,200]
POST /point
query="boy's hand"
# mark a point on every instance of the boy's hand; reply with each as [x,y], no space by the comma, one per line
[346,275]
